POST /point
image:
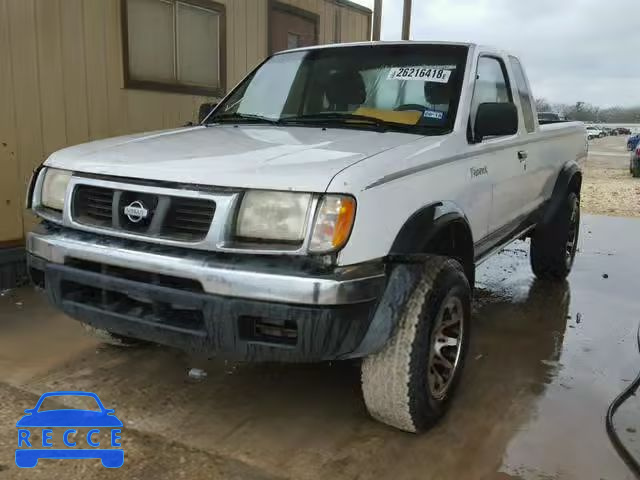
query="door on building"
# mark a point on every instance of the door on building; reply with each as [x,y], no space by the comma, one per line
[291,27]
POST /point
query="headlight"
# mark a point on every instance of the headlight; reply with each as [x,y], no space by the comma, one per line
[54,188]
[273,216]
[334,222]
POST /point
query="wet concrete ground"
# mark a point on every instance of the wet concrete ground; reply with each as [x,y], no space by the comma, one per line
[545,363]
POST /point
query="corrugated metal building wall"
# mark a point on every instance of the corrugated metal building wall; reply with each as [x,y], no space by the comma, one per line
[62,79]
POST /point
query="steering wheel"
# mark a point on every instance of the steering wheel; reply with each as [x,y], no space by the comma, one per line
[410,107]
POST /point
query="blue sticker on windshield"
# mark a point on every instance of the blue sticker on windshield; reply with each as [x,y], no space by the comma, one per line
[435,114]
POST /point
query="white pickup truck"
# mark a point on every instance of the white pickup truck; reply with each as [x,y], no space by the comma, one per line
[334,205]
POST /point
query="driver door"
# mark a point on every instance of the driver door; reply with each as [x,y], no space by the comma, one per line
[498,155]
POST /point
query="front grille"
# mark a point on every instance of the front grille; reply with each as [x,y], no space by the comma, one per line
[170,217]
[188,217]
[95,206]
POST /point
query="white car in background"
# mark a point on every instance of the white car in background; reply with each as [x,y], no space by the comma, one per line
[594,132]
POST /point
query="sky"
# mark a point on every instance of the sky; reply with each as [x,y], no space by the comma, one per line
[573,50]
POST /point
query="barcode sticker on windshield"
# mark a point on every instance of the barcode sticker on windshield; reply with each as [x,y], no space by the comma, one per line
[423,74]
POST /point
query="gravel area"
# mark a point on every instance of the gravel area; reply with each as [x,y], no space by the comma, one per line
[608,187]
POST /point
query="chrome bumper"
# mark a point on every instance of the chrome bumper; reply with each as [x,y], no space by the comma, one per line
[255,278]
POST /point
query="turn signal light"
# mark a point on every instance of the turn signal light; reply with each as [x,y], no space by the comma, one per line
[334,223]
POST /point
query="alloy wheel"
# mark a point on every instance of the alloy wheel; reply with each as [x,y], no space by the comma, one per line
[446,346]
[572,237]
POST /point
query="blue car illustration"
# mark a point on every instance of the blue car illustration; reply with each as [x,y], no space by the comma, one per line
[28,455]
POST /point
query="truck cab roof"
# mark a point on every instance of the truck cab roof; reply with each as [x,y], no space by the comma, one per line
[484,48]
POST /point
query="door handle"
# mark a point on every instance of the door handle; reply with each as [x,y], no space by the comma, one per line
[522,155]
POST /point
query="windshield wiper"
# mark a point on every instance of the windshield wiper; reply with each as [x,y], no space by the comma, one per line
[339,119]
[323,119]
[242,117]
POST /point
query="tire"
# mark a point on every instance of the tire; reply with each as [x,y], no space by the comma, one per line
[398,385]
[554,246]
[635,167]
[113,339]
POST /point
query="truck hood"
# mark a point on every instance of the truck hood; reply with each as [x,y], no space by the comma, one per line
[268,157]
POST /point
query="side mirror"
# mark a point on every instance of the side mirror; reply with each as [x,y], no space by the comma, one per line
[495,119]
[205,110]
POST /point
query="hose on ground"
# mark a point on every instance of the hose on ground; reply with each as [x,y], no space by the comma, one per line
[625,454]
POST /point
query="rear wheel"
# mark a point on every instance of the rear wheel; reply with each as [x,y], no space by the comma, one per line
[554,245]
[410,383]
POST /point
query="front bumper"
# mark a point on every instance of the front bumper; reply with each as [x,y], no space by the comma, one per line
[239,308]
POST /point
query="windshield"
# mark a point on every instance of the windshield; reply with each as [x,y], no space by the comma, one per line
[413,88]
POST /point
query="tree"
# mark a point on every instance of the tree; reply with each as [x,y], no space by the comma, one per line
[586,112]
[583,112]
[542,105]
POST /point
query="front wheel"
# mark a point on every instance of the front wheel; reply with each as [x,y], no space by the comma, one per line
[410,383]
[554,245]
[635,167]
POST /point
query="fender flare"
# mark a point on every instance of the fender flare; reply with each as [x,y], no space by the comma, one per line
[569,179]
[425,225]
[403,280]
[405,268]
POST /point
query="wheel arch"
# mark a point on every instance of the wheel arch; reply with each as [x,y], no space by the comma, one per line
[569,180]
[440,228]
[417,240]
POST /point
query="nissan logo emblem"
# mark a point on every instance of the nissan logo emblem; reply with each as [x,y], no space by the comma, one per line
[136,212]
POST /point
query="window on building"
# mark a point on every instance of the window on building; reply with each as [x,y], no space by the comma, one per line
[293,40]
[524,94]
[291,27]
[175,45]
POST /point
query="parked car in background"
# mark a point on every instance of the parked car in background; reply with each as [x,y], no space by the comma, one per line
[623,131]
[634,161]
[633,141]
[594,132]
